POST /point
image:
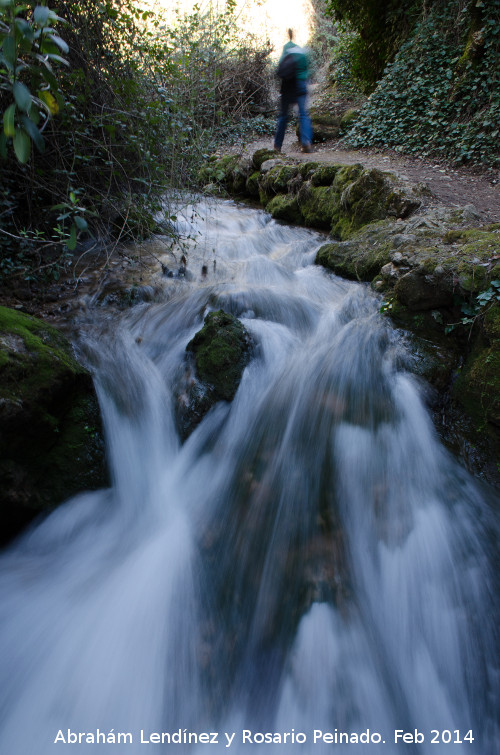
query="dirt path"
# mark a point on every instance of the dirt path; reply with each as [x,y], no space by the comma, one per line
[450,186]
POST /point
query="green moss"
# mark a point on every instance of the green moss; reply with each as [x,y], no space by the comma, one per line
[50,436]
[326,125]
[32,356]
[452,236]
[325,175]
[473,278]
[483,244]
[260,156]
[366,196]
[317,204]
[492,323]
[285,207]
[252,184]
[349,118]
[353,261]
[307,169]
[277,179]
[221,351]
[224,171]
[429,264]
[347,174]
[478,386]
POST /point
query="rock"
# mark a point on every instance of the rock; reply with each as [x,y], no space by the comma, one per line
[252,184]
[370,195]
[418,291]
[51,444]
[268,165]
[324,175]
[470,214]
[348,119]
[285,207]
[317,205]
[260,156]
[220,350]
[276,180]
[326,125]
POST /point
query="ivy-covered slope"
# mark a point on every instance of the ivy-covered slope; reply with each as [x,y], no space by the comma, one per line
[441,95]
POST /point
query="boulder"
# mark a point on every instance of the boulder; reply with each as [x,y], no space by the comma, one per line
[51,443]
[219,352]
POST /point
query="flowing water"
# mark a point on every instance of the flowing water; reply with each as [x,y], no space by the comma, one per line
[311,562]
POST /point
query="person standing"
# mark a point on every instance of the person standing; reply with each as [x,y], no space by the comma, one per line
[294,91]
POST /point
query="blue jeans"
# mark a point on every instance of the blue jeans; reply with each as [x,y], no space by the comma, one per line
[305,125]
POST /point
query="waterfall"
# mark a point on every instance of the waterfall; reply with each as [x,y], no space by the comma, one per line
[309,569]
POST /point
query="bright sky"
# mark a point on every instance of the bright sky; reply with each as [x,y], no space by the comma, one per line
[270,19]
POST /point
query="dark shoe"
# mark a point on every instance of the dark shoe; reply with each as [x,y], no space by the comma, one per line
[306,147]
[276,148]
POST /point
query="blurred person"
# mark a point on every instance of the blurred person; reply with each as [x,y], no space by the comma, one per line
[293,70]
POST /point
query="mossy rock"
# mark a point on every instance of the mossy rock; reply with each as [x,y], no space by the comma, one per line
[307,169]
[346,174]
[221,350]
[260,156]
[285,207]
[326,125]
[349,118]
[353,261]
[252,184]
[51,442]
[477,388]
[491,323]
[370,195]
[240,174]
[226,172]
[419,291]
[276,181]
[317,205]
[324,175]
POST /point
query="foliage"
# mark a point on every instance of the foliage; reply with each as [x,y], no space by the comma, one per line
[29,90]
[136,106]
[478,307]
[440,96]
[376,29]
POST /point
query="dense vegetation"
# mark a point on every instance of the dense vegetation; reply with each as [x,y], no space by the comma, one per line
[439,94]
[105,106]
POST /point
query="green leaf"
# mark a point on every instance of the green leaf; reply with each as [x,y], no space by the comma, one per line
[59,42]
[34,133]
[9,127]
[24,29]
[58,59]
[81,223]
[71,242]
[47,74]
[22,145]
[9,48]
[33,114]
[22,96]
[41,15]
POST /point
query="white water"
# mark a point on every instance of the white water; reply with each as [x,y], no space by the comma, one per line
[310,559]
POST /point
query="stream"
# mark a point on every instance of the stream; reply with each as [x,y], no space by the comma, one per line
[310,571]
